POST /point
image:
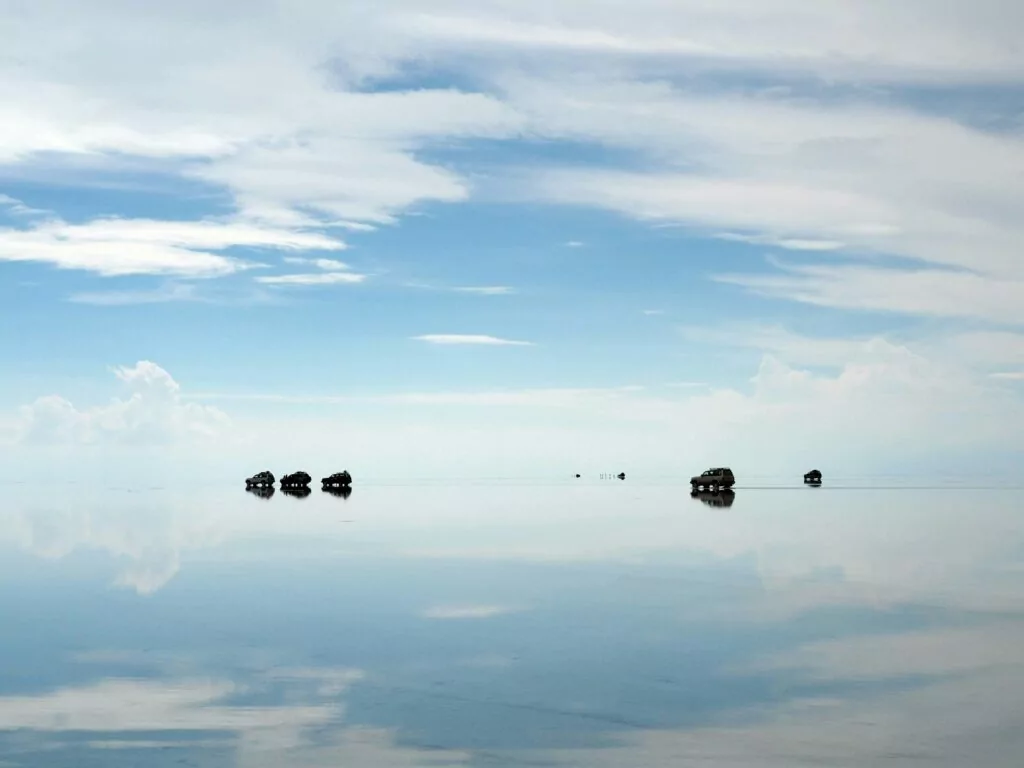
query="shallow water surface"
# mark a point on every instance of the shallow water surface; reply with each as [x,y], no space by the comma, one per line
[598,624]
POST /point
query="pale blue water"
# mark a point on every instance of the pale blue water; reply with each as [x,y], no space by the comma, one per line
[508,624]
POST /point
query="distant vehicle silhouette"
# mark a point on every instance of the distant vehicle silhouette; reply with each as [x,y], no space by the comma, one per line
[342,491]
[577,475]
[297,491]
[723,498]
[338,478]
[714,479]
[262,491]
[296,480]
[260,479]
[813,477]
[621,475]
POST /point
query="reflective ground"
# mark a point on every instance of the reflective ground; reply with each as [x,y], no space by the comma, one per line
[605,623]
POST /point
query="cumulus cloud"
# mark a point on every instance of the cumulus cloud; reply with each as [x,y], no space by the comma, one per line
[146,540]
[153,413]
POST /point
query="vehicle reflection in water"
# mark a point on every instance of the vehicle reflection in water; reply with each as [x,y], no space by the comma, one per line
[715,498]
[262,491]
[299,492]
[341,491]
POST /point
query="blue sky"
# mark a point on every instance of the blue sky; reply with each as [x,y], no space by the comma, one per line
[514,237]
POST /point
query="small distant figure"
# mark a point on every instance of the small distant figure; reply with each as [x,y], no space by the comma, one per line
[298,479]
[813,477]
[260,480]
[621,475]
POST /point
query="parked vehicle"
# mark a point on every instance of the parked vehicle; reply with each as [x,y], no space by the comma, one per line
[264,478]
[338,478]
[714,479]
[813,477]
[296,480]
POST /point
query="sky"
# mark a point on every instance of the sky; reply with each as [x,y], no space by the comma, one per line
[496,238]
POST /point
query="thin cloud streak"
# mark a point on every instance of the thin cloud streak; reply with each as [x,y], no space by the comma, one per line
[470,339]
[313,278]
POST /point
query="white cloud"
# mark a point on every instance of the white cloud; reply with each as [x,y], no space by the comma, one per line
[313,278]
[143,246]
[792,244]
[282,118]
[153,413]
[574,244]
[1009,375]
[931,292]
[470,339]
[328,265]
[965,702]
[653,312]
[18,208]
[851,177]
[177,292]
[145,539]
[486,290]
[467,611]
[840,39]
[136,705]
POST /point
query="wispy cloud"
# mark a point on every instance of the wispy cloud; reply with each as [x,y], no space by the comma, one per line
[328,265]
[486,290]
[928,292]
[653,312]
[467,611]
[574,244]
[113,247]
[793,244]
[313,278]
[18,208]
[1009,375]
[470,339]
[179,292]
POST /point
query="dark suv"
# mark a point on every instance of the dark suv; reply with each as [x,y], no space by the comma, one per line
[296,480]
[260,479]
[714,479]
[338,478]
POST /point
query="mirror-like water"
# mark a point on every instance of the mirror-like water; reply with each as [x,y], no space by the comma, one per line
[599,624]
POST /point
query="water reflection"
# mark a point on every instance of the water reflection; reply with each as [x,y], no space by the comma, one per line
[342,491]
[564,627]
[296,491]
[723,498]
[262,491]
